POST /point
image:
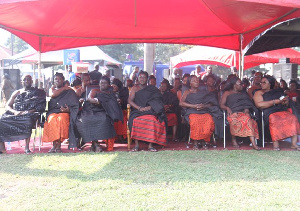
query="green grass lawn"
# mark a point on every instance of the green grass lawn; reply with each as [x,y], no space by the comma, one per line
[167,180]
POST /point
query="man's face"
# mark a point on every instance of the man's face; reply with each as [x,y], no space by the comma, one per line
[136,69]
[198,69]
[27,81]
[70,68]
[142,79]
[58,81]
[86,81]
[209,70]
[104,85]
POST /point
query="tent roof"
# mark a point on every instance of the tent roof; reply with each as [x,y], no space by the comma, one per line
[284,35]
[224,57]
[61,24]
[91,53]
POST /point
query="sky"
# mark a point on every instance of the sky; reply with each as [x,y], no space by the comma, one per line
[3,36]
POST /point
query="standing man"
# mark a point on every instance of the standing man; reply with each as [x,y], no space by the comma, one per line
[6,88]
[197,72]
[72,75]
[95,75]
[134,75]
[21,113]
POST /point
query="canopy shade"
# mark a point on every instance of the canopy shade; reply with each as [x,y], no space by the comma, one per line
[284,35]
[224,57]
[91,53]
[59,24]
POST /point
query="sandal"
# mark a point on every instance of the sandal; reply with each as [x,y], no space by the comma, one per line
[257,148]
[196,147]
[276,148]
[204,146]
[295,148]
[135,149]
[58,151]
[27,151]
[151,149]
[52,150]
[98,148]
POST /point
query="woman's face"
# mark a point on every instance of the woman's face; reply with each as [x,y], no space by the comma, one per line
[194,82]
[238,85]
[293,87]
[210,82]
[265,84]
[115,87]
[282,85]
[185,80]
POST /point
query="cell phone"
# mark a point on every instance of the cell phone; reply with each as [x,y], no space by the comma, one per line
[282,97]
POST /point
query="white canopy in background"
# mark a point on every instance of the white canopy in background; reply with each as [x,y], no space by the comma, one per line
[91,53]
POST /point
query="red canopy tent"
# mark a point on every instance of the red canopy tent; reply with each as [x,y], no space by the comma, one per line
[228,58]
[59,24]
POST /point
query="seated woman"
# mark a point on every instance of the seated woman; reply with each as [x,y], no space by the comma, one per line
[171,105]
[61,115]
[121,94]
[237,103]
[282,123]
[147,121]
[293,92]
[201,106]
[95,121]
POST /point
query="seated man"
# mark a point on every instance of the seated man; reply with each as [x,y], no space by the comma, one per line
[202,113]
[96,120]
[61,115]
[21,113]
[147,117]
[171,105]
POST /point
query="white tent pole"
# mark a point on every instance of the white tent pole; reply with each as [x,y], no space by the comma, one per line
[240,56]
[39,62]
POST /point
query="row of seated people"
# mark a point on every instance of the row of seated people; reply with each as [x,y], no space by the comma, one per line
[94,117]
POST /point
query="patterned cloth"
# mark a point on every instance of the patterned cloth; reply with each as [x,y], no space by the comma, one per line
[242,125]
[283,125]
[15,128]
[202,126]
[148,128]
[57,127]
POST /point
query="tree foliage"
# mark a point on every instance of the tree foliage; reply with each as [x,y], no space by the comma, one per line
[120,51]
[19,45]
[163,52]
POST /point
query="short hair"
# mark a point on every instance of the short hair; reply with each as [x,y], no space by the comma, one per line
[151,77]
[143,73]
[84,75]
[57,74]
[76,82]
[294,82]
[106,79]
